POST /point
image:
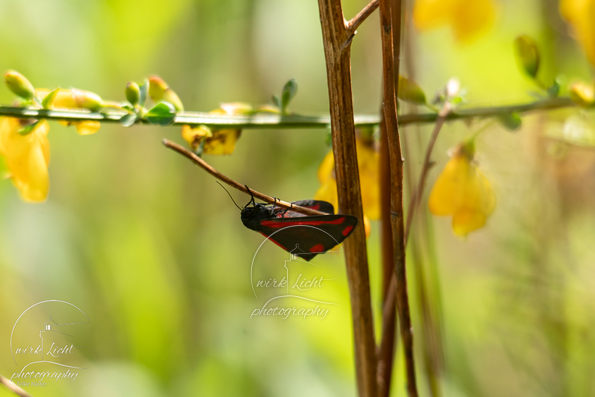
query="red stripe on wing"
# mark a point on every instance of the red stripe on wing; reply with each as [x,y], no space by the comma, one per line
[269,238]
[277,224]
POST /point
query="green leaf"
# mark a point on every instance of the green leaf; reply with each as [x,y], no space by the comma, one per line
[276,101]
[49,99]
[144,89]
[288,93]
[511,121]
[128,120]
[554,89]
[162,114]
[410,91]
[28,129]
[527,54]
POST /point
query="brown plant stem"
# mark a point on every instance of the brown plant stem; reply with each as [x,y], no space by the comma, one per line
[208,168]
[390,68]
[387,347]
[357,20]
[10,385]
[337,50]
[393,289]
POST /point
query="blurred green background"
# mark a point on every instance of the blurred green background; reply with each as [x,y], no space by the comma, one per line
[154,252]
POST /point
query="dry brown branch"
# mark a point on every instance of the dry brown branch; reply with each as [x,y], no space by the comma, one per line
[268,199]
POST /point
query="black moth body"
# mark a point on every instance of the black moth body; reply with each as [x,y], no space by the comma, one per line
[303,236]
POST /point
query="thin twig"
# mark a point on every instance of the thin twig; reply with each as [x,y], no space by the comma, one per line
[390,69]
[357,20]
[274,121]
[13,387]
[268,199]
[426,165]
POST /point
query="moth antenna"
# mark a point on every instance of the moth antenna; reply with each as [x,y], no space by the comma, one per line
[229,195]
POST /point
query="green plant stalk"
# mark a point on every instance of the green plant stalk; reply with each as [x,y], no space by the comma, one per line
[275,121]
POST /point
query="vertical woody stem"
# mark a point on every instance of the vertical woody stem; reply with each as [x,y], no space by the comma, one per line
[337,40]
[390,53]
[386,350]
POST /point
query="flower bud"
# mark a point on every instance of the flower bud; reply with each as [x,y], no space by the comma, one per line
[132,93]
[582,94]
[160,91]
[528,54]
[410,91]
[19,84]
[86,99]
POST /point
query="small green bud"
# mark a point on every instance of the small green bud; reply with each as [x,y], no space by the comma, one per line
[160,91]
[528,54]
[410,91]
[132,93]
[582,94]
[19,84]
[511,121]
[86,99]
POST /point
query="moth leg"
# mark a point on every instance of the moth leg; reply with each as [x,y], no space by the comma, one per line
[251,197]
[287,209]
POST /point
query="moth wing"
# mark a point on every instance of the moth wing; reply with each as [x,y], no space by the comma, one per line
[308,236]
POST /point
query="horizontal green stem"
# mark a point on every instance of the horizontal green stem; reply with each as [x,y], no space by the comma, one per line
[275,121]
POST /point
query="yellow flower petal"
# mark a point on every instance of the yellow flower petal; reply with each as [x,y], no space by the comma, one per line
[222,142]
[326,169]
[472,18]
[430,14]
[328,192]
[448,192]
[466,221]
[87,127]
[27,157]
[580,14]
[467,18]
[462,191]
[367,158]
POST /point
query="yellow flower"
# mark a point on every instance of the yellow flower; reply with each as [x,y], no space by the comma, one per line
[580,14]
[463,191]
[27,157]
[75,99]
[367,159]
[216,141]
[467,18]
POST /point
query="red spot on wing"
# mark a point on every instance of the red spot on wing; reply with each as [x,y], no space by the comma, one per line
[315,207]
[278,225]
[270,239]
[347,230]
[317,248]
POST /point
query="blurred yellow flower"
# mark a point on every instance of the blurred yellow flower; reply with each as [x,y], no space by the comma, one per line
[367,159]
[581,14]
[27,157]
[75,99]
[467,18]
[463,191]
[216,141]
